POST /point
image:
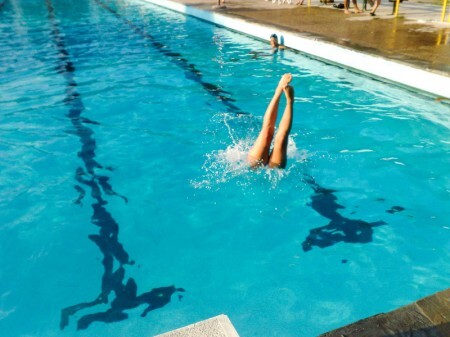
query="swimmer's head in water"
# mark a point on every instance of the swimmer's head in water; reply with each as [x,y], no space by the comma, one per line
[274,40]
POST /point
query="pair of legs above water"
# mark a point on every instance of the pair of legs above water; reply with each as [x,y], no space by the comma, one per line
[260,154]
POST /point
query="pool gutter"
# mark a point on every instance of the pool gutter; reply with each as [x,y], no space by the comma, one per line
[405,75]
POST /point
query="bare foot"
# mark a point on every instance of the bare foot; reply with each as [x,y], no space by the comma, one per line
[284,81]
[346,11]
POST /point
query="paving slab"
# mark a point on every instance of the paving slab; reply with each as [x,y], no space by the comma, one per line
[436,307]
[219,326]
[428,317]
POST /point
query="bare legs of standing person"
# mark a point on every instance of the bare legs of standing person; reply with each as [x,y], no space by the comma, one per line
[374,7]
[355,5]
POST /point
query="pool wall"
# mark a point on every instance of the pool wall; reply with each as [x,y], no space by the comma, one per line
[377,67]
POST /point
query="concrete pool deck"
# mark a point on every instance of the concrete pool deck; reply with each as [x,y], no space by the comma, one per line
[427,317]
[412,50]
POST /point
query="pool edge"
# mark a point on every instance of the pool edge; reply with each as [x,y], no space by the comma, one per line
[377,67]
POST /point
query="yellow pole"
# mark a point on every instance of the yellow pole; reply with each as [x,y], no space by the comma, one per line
[397,6]
[309,3]
[439,39]
[444,9]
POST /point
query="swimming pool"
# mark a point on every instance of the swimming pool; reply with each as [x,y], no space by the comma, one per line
[123,131]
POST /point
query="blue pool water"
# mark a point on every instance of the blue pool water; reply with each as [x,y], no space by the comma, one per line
[124,191]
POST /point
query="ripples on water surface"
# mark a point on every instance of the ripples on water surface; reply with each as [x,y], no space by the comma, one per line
[123,136]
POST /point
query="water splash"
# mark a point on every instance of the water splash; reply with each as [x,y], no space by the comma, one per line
[230,164]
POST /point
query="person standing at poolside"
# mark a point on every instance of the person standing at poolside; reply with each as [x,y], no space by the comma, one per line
[355,5]
[220,5]
[374,5]
[260,154]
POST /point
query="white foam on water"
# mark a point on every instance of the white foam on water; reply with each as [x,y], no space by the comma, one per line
[356,151]
[4,314]
[223,166]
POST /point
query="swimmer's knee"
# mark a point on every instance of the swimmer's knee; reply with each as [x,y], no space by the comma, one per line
[254,162]
[275,165]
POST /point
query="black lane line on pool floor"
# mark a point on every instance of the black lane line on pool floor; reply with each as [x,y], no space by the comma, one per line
[113,280]
[190,70]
